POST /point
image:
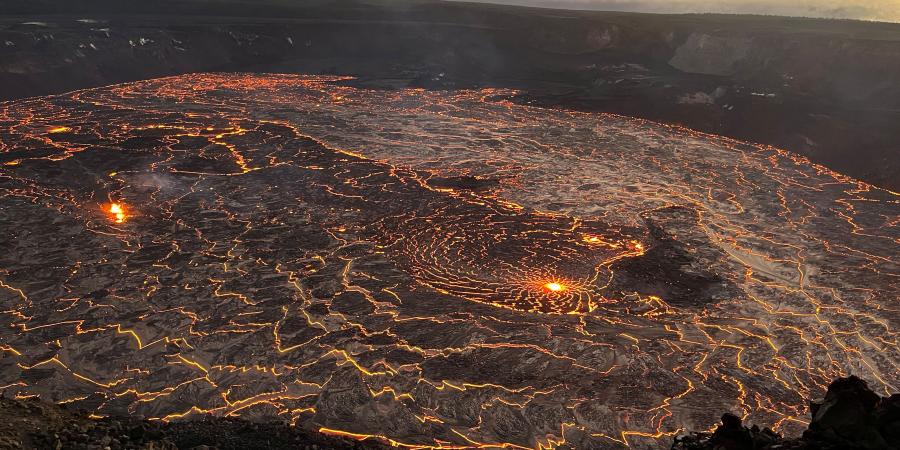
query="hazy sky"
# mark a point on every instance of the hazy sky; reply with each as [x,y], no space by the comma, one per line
[885,10]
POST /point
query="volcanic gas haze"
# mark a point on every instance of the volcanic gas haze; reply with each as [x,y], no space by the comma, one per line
[442,269]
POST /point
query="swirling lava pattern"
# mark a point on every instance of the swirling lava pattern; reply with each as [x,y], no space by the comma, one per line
[429,269]
[505,258]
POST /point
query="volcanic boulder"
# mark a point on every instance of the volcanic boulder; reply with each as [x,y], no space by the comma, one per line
[850,417]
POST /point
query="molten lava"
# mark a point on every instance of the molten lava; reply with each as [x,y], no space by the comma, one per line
[497,290]
[555,287]
[118,212]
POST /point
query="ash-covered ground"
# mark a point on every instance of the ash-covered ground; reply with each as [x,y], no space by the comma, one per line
[426,267]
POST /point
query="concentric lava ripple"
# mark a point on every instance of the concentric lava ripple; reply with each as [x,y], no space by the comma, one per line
[504,257]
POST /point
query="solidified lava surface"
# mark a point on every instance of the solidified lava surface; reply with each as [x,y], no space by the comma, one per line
[427,268]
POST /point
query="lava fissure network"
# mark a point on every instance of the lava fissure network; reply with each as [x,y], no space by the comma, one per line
[443,269]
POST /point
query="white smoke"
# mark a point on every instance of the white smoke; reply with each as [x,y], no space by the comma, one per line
[155,182]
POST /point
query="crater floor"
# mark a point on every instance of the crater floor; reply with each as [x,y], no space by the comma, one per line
[428,268]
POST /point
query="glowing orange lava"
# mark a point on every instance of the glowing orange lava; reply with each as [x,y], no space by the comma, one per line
[592,239]
[555,287]
[218,311]
[118,211]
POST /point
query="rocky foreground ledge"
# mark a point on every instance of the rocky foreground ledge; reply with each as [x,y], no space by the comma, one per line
[851,417]
[34,424]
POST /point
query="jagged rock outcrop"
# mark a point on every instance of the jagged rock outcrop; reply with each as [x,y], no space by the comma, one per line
[850,417]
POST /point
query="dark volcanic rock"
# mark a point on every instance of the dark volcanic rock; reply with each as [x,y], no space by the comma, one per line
[283,256]
[33,424]
[851,417]
[681,265]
